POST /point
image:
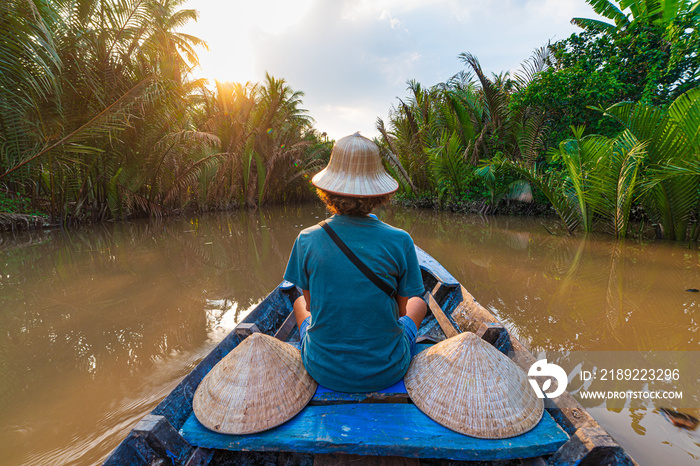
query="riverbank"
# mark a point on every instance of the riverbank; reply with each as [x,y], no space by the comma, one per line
[14,222]
[640,225]
[29,221]
[478,207]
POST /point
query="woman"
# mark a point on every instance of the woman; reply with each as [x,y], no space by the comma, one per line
[356,337]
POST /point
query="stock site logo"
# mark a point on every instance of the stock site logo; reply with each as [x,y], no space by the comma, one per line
[544,369]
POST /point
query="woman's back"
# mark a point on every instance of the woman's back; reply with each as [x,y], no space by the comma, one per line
[354,341]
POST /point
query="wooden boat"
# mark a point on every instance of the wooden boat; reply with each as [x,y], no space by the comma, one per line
[367,428]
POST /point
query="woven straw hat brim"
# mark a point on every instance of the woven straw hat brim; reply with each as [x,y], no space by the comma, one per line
[355,169]
[469,386]
[259,385]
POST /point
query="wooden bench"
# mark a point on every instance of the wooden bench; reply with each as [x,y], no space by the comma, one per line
[381,429]
[382,423]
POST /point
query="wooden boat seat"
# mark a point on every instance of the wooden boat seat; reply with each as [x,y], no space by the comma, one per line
[382,423]
[380,429]
[394,394]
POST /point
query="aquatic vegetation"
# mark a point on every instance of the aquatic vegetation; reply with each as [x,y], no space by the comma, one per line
[102,119]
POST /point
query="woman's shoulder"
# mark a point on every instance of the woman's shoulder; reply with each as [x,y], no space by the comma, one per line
[390,229]
[310,231]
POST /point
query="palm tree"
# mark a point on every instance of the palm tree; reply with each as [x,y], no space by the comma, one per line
[279,137]
[29,75]
[172,50]
[226,113]
[263,130]
[615,181]
[412,132]
[569,192]
[440,134]
[654,161]
[449,166]
[99,68]
[671,139]
[514,133]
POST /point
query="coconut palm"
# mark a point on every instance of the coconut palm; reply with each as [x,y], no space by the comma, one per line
[173,51]
[280,127]
[263,132]
[98,70]
[654,161]
[671,139]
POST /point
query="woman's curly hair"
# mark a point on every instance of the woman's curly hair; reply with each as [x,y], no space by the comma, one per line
[345,205]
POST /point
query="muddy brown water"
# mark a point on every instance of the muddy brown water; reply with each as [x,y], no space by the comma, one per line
[99,324]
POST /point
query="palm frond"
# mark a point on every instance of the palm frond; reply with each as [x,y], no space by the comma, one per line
[608,9]
[540,60]
[615,182]
[594,25]
[449,166]
[553,189]
[669,200]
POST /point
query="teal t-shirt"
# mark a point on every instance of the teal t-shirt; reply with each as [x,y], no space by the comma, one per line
[354,342]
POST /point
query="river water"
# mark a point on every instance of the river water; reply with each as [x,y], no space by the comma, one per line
[98,324]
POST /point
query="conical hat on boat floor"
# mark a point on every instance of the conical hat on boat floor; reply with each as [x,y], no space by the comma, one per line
[469,386]
[259,385]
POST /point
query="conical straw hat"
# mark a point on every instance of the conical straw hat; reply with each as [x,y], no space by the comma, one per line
[261,384]
[355,170]
[469,386]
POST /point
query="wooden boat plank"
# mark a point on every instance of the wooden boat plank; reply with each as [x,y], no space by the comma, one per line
[427,262]
[132,452]
[285,331]
[395,393]
[379,429]
[447,326]
[336,459]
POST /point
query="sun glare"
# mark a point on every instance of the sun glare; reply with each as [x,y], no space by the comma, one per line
[231,28]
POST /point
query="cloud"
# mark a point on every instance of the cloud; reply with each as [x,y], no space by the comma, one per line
[352,58]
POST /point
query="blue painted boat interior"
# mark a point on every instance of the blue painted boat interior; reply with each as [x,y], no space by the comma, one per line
[380,429]
[337,422]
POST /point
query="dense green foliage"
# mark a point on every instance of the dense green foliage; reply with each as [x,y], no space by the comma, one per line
[266,140]
[100,119]
[440,134]
[647,55]
[628,90]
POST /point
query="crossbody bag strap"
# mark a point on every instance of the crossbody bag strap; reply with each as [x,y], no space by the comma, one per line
[381,284]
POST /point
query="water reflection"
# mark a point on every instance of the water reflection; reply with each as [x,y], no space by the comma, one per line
[568,293]
[98,324]
[584,293]
[107,319]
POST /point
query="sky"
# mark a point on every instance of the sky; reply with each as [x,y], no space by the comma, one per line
[352,58]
